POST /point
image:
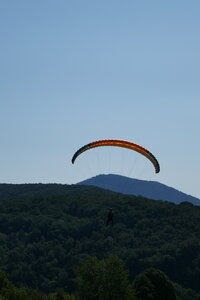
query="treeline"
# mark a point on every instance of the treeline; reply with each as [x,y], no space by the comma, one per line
[105,279]
[46,232]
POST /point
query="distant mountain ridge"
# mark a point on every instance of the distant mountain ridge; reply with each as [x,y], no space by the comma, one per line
[149,189]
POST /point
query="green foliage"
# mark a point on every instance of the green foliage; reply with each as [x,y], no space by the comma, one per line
[103,280]
[4,282]
[8,291]
[46,230]
[61,295]
[153,284]
[186,294]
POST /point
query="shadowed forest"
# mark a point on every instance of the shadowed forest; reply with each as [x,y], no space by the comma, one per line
[54,244]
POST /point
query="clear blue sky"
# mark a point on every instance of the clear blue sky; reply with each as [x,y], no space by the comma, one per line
[72,72]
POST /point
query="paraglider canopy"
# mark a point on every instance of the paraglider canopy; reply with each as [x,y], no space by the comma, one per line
[119,143]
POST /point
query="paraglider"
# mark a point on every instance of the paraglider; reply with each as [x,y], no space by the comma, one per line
[110,217]
[119,143]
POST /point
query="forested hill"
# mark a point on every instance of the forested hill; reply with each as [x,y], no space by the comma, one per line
[45,230]
[40,189]
[150,189]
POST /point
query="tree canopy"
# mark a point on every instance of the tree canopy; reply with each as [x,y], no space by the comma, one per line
[46,230]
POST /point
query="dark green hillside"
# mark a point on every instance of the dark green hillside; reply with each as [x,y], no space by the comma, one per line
[34,189]
[43,237]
